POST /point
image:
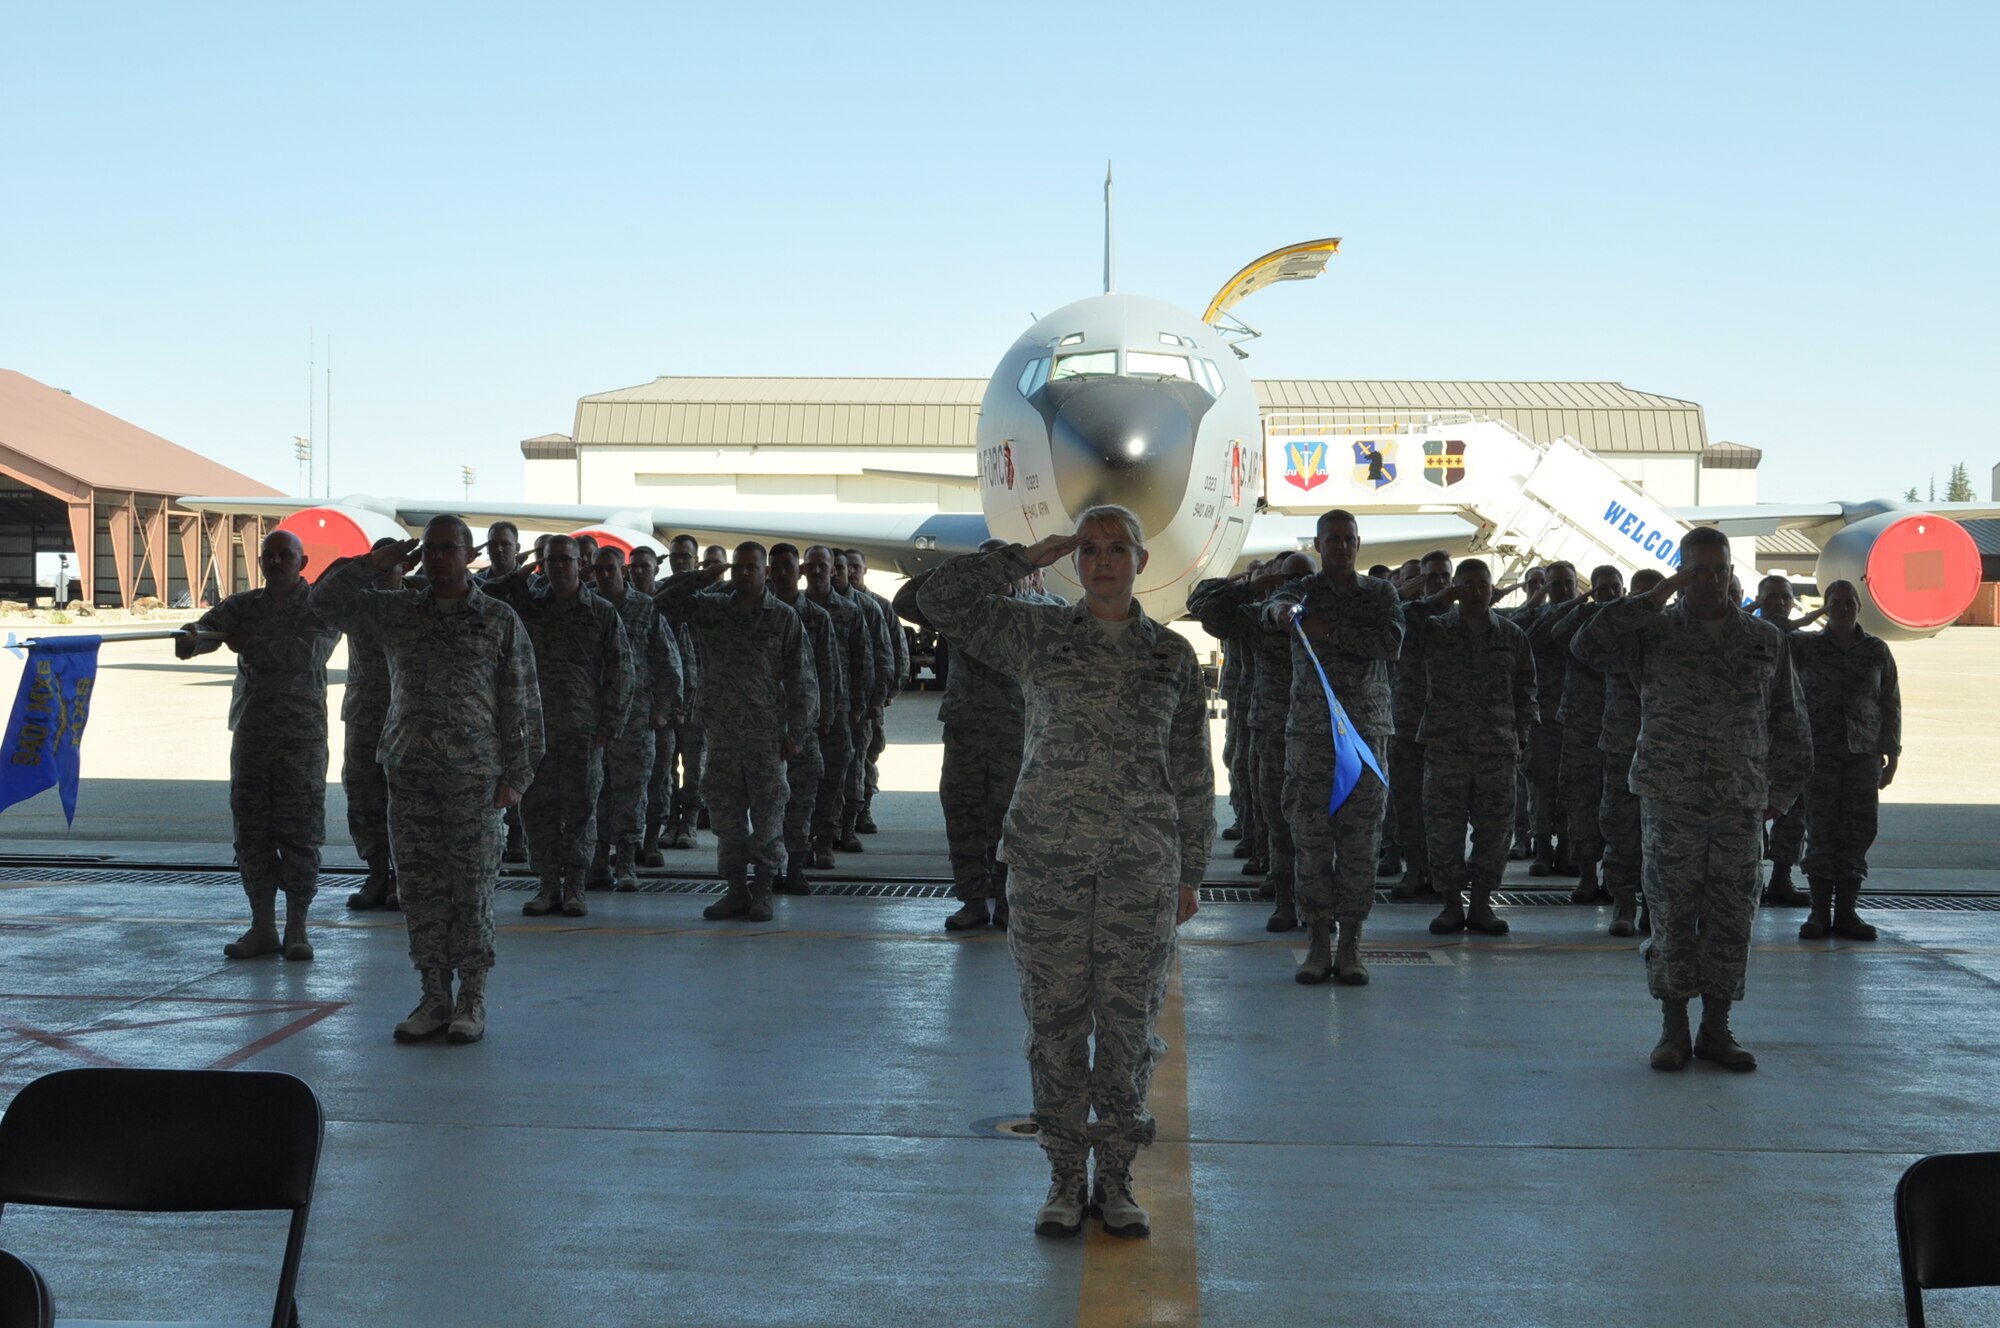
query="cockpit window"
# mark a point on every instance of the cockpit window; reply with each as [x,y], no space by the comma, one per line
[1034,375]
[1156,364]
[1071,339]
[1085,364]
[1211,376]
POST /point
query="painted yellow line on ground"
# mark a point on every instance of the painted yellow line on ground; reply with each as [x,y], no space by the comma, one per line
[1133,1282]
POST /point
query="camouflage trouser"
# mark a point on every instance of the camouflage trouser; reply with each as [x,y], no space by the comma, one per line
[1232,734]
[559,810]
[802,775]
[1545,751]
[1336,854]
[1406,772]
[1788,833]
[446,837]
[1093,955]
[277,800]
[367,787]
[1268,746]
[628,772]
[836,755]
[974,789]
[1389,839]
[690,749]
[1582,790]
[1257,813]
[660,784]
[878,742]
[1842,800]
[746,790]
[1702,884]
[859,736]
[1618,823]
[1523,825]
[1464,788]
[1240,761]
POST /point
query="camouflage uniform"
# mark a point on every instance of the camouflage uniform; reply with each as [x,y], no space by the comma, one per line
[1476,712]
[1582,716]
[1229,685]
[584,664]
[899,668]
[804,772]
[1114,810]
[985,719]
[623,810]
[1786,836]
[1618,806]
[1336,855]
[1406,753]
[1856,709]
[674,795]
[761,694]
[1233,613]
[363,707]
[1546,809]
[881,669]
[465,717]
[855,676]
[1722,736]
[277,748]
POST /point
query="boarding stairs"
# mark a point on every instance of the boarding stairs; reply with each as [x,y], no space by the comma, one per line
[1529,503]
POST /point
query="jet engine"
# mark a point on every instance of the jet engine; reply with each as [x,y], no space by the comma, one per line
[623,538]
[339,531]
[1916,572]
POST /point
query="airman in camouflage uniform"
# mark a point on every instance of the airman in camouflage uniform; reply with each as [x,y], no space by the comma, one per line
[642,571]
[1618,805]
[1546,807]
[1784,841]
[1534,584]
[1856,709]
[503,555]
[760,708]
[364,704]
[584,665]
[807,768]
[1406,751]
[656,694]
[871,700]
[899,669]
[985,719]
[277,748]
[1230,685]
[1232,611]
[683,756]
[1582,716]
[1356,628]
[462,739]
[855,681]
[1477,710]
[1107,838]
[1723,746]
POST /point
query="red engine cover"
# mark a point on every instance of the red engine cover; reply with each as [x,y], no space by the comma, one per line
[338,532]
[1923,571]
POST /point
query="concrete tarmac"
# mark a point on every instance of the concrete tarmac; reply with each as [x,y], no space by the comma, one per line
[674,1121]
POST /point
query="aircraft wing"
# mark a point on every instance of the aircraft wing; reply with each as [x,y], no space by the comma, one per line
[1770,518]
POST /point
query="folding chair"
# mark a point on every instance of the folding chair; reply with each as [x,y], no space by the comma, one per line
[24,1296]
[1947,1206]
[168,1141]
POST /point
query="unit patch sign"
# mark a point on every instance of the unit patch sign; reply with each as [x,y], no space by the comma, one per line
[1375,464]
[1444,462]
[1305,462]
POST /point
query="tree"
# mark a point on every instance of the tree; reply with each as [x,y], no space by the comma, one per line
[1960,488]
[1910,495]
[1933,497]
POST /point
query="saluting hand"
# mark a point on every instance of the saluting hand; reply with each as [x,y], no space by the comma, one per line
[1052,549]
[395,557]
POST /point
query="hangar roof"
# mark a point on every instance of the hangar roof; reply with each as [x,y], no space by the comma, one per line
[944,412]
[51,429]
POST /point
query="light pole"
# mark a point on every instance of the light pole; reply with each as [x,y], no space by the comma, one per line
[302,448]
[470,477]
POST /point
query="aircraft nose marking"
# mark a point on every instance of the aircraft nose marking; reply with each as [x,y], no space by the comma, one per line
[1123,440]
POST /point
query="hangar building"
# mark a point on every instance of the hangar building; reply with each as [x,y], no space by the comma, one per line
[78,481]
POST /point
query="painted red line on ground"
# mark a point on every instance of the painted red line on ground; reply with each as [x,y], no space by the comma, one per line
[63,1044]
[287,1008]
[269,1040]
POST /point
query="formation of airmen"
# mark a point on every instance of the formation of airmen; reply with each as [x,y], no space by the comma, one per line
[1638,741]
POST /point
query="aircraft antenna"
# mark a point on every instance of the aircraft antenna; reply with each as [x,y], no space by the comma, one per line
[311,374]
[1109,252]
[329,414]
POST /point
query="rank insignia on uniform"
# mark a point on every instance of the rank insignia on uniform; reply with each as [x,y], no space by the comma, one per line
[1375,463]
[1305,463]
[1444,462]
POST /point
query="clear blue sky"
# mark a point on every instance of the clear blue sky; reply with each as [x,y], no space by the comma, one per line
[1782,212]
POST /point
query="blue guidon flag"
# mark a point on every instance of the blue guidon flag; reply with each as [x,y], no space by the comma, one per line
[1350,750]
[45,731]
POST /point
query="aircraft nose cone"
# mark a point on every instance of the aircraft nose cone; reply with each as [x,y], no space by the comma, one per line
[1124,441]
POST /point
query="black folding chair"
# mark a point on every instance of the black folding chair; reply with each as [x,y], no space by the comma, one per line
[1946,1209]
[168,1141]
[24,1296]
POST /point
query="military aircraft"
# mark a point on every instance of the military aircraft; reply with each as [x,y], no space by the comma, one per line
[1118,398]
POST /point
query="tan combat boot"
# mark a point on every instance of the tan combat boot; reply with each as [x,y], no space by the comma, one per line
[1481,917]
[1715,1042]
[297,948]
[1847,924]
[546,901]
[733,904]
[1318,965]
[1819,923]
[262,938]
[1347,965]
[1062,1213]
[1676,1046]
[433,1012]
[1112,1200]
[468,1017]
